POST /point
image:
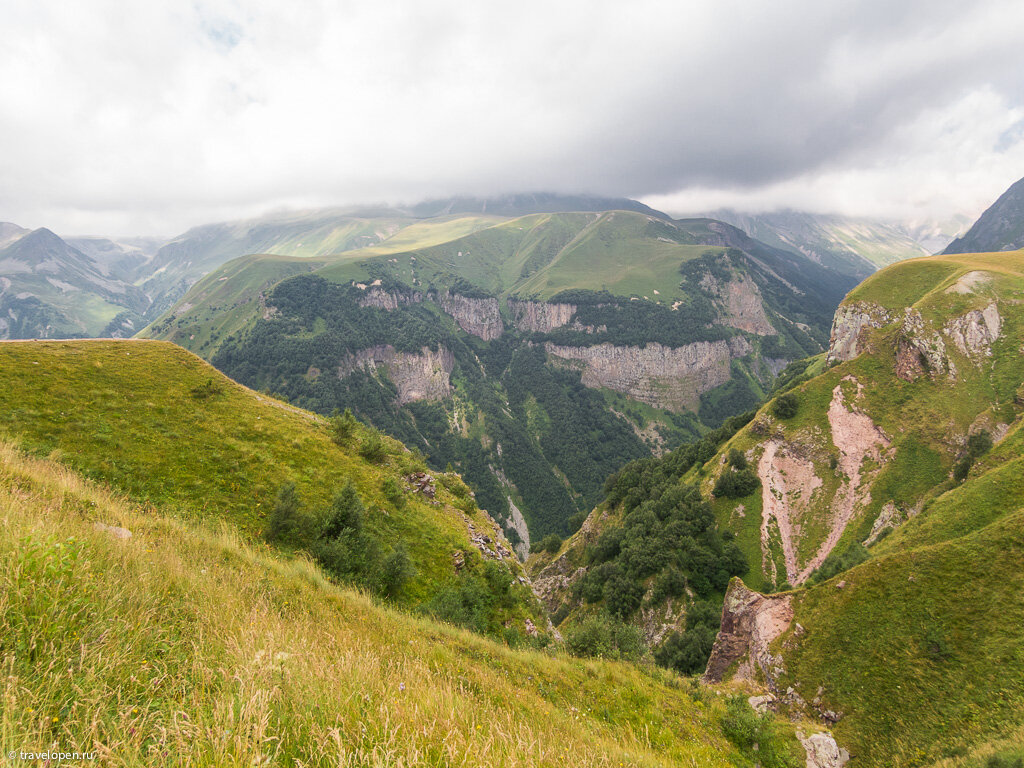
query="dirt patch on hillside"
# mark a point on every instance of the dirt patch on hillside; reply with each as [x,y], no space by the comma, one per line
[857,438]
[787,484]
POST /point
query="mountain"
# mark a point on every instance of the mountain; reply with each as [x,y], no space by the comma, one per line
[516,205]
[1000,228]
[49,289]
[853,246]
[534,354]
[873,510]
[182,643]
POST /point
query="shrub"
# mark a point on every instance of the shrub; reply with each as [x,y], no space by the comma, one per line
[550,544]
[687,652]
[288,524]
[342,426]
[604,636]
[372,448]
[393,492]
[622,596]
[396,572]
[755,735]
[346,513]
[733,484]
[786,406]
[737,459]
[206,390]
[837,562]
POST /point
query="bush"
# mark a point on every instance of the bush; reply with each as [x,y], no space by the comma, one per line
[393,492]
[396,572]
[837,562]
[603,636]
[755,735]
[372,448]
[687,652]
[786,406]
[733,484]
[206,390]
[342,426]
[346,513]
[622,596]
[288,524]
[550,544]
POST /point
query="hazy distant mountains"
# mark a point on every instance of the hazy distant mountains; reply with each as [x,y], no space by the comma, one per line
[1000,228]
[852,246]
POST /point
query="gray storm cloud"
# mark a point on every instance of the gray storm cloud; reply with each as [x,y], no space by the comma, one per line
[153,116]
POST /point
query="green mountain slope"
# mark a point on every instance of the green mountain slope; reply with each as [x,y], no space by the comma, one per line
[653,331]
[1000,228]
[885,484]
[161,426]
[186,645]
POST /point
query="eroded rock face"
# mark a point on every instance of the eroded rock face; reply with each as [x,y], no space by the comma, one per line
[750,623]
[417,376]
[974,333]
[741,305]
[920,349]
[790,483]
[375,296]
[480,317]
[539,316]
[554,580]
[848,327]
[665,377]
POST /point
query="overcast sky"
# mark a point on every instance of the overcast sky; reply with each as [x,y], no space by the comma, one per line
[148,117]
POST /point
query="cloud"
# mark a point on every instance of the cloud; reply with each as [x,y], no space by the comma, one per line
[154,116]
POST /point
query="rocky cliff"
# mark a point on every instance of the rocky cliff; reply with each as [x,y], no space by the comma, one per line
[376,296]
[480,317]
[665,377]
[740,303]
[417,376]
[849,325]
[538,316]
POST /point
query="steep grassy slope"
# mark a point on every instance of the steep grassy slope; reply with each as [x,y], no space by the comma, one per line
[167,429]
[926,355]
[186,646]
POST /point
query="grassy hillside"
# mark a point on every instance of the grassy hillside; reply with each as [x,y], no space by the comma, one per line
[187,645]
[158,424]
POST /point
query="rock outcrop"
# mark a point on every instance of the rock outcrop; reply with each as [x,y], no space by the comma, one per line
[849,325]
[822,750]
[539,316]
[920,349]
[974,333]
[740,303]
[417,376]
[375,296]
[480,317]
[672,378]
[750,623]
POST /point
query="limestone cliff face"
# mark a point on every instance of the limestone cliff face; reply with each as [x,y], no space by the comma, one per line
[417,376]
[750,623]
[848,327]
[539,316]
[376,296]
[480,317]
[739,301]
[665,377]
[974,332]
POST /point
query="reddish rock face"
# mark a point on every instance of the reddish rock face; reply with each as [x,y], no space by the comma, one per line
[750,622]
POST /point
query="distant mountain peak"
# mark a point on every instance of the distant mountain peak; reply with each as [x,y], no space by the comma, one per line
[1000,228]
[526,203]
